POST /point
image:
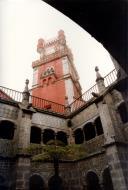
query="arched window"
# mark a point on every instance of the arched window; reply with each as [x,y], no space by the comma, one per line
[89,131]
[35,136]
[62,137]
[92,181]
[79,137]
[99,127]
[6,130]
[55,183]
[107,180]
[36,182]
[48,135]
[123,112]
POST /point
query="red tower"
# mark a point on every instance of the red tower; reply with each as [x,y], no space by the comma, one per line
[54,74]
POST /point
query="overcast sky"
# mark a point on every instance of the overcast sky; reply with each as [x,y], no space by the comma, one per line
[23,22]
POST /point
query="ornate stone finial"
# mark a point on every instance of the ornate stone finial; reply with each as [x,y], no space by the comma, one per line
[26,86]
[61,37]
[98,75]
[99,80]
[26,94]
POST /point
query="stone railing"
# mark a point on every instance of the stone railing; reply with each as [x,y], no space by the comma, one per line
[87,96]
[15,96]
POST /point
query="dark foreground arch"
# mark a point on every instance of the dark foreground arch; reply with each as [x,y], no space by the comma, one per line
[105,20]
[3,183]
[36,182]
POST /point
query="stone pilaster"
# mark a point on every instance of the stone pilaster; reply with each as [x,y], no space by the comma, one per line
[71,139]
[113,141]
[24,119]
[23,172]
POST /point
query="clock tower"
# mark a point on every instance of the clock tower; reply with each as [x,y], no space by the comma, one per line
[54,75]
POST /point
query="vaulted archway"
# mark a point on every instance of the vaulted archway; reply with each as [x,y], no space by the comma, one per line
[99,128]
[89,131]
[7,130]
[48,135]
[36,182]
[55,183]
[107,180]
[92,181]
[79,137]
[61,136]
[35,136]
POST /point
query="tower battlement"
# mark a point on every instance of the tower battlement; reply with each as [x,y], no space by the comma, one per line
[52,49]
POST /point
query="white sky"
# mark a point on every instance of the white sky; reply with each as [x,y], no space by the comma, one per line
[23,22]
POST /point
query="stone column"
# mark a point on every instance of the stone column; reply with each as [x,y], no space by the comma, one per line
[94,125]
[22,172]
[42,131]
[23,141]
[114,141]
[71,139]
[84,135]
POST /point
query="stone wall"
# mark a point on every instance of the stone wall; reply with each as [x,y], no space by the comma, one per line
[84,116]
[49,121]
[73,174]
[7,173]
[8,112]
